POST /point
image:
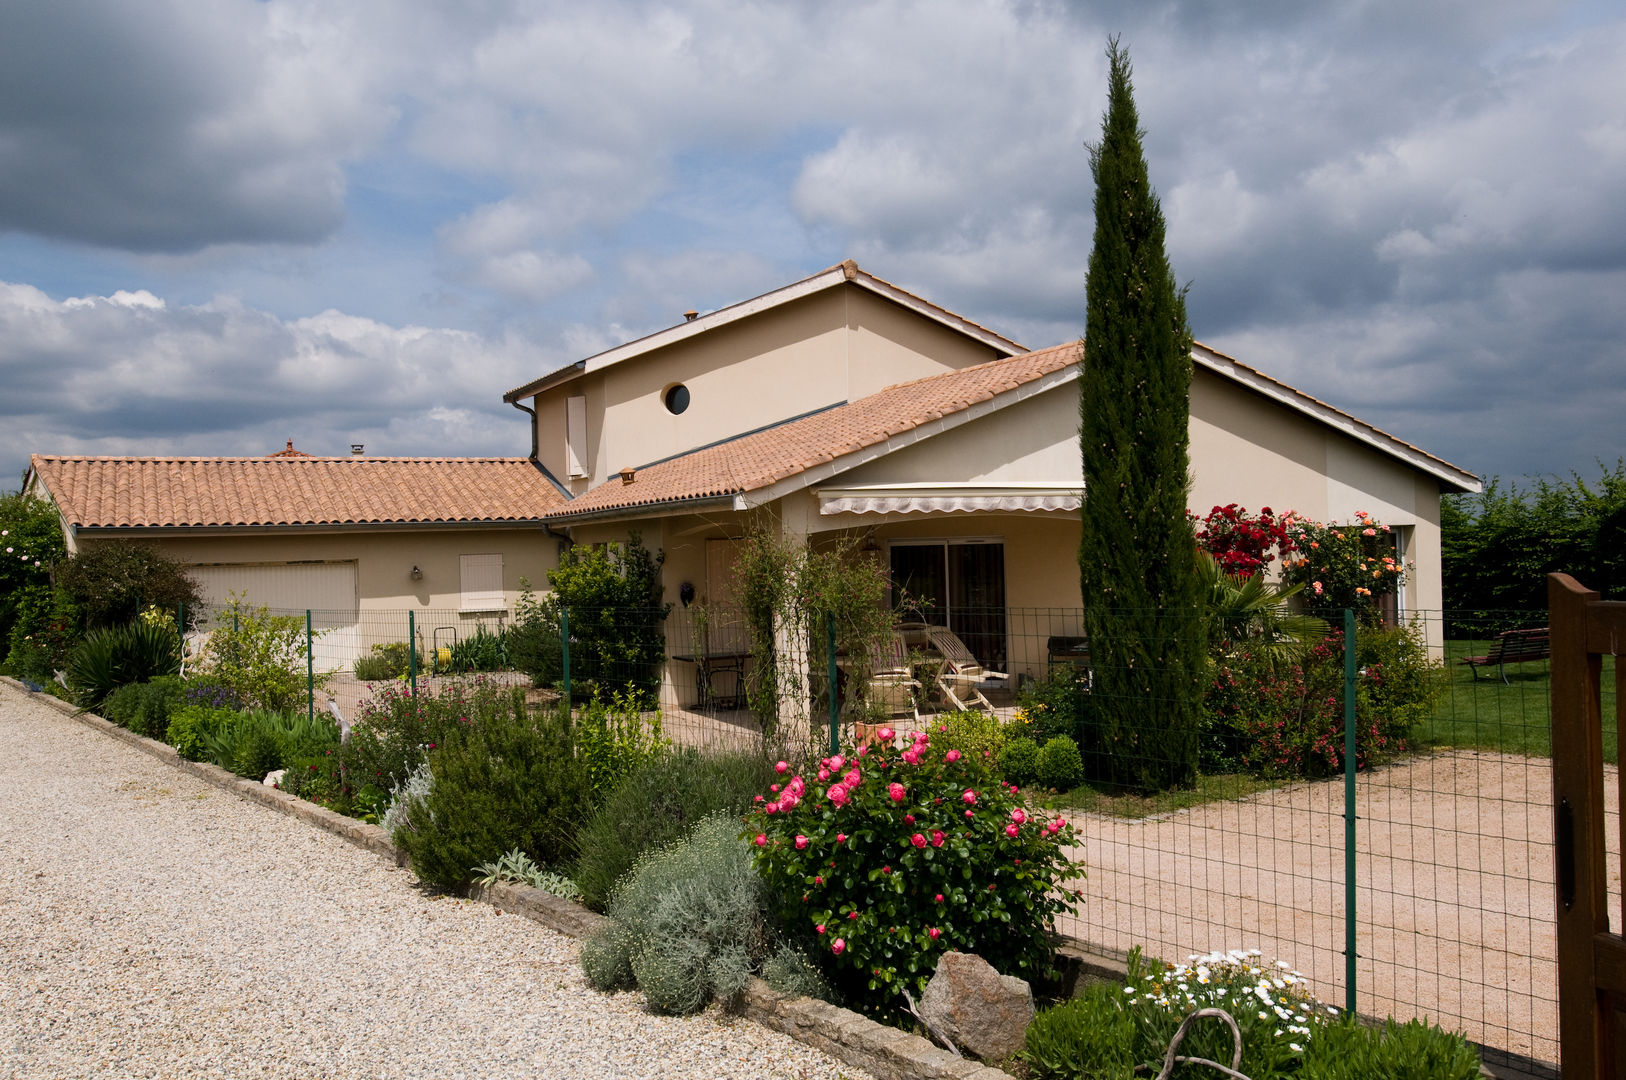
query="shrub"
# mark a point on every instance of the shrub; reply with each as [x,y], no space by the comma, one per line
[119,655]
[1056,705]
[883,862]
[788,970]
[145,708]
[658,803]
[120,705]
[30,546]
[260,741]
[974,734]
[686,924]
[1060,765]
[483,650]
[1241,543]
[1092,1035]
[1343,566]
[510,781]
[534,642]
[207,692]
[613,595]
[191,728]
[110,583]
[1347,1050]
[384,662]
[1019,761]
[260,657]
[396,729]
[409,792]
[1278,718]
[614,738]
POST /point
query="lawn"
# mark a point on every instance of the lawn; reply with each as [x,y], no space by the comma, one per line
[1486,714]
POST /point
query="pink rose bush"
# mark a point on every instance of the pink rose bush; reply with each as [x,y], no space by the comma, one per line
[898,858]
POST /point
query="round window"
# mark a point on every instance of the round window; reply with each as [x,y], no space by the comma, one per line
[677,399]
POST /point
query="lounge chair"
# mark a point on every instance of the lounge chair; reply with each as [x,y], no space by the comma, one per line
[961,676]
[892,683]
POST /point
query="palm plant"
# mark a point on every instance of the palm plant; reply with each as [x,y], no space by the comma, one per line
[1248,610]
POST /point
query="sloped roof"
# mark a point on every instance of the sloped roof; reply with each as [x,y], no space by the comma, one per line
[841,273]
[1452,476]
[757,460]
[902,413]
[124,493]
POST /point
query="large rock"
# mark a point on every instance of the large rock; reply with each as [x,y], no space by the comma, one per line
[977,1008]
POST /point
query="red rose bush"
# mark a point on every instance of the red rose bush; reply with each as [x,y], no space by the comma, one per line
[880,861]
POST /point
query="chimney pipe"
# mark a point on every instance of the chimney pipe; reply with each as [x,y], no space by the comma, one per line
[690,316]
[357,449]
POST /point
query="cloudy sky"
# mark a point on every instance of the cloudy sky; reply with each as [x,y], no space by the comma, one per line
[227,224]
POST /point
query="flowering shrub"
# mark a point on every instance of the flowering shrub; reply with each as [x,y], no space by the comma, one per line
[1344,566]
[1243,544]
[1276,718]
[1111,1029]
[1125,1031]
[882,861]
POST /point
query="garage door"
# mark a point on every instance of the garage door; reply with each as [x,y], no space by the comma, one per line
[326,589]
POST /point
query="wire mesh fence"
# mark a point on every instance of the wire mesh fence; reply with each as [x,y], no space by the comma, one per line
[1403,863]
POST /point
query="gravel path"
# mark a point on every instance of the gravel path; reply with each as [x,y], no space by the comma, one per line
[153,926]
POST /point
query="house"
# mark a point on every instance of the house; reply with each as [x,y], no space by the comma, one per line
[837,405]
[841,404]
[354,540]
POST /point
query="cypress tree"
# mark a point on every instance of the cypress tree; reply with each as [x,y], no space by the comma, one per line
[1137,555]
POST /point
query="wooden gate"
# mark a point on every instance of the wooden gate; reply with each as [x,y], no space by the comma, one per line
[1591,960]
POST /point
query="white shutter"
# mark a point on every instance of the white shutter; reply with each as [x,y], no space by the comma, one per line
[576,436]
[482,582]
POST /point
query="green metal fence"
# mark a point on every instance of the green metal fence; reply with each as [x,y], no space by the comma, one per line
[1373,811]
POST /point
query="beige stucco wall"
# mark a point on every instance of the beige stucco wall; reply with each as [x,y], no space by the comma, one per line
[384,561]
[834,346]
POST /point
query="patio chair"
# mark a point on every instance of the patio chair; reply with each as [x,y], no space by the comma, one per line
[961,676]
[892,684]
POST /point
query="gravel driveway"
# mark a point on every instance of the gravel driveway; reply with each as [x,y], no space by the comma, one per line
[153,926]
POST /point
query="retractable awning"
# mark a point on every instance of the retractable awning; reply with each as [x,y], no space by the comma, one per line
[948,498]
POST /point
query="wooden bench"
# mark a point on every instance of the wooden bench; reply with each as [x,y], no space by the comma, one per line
[1512,647]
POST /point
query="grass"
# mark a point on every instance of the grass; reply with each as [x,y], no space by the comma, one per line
[1477,713]
[1512,718]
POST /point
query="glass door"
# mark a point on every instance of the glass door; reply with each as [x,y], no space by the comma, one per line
[959,584]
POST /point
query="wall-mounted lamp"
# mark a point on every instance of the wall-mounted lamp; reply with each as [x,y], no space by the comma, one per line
[417,575]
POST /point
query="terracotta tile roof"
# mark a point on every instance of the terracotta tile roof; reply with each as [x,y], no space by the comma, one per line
[290,452]
[106,492]
[762,458]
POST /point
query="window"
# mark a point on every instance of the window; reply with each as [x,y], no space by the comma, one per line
[576,436]
[482,583]
[677,399]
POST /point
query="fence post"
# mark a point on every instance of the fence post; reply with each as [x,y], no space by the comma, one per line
[564,652]
[310,671]
[412,651]
[835,701]
[1349,811]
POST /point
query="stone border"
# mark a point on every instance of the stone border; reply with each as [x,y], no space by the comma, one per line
[884,1052]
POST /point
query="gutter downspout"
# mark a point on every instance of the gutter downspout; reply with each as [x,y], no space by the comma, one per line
[534,433]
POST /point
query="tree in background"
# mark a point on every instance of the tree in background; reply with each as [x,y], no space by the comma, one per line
[109,584]
[1137,557]
[1498,547]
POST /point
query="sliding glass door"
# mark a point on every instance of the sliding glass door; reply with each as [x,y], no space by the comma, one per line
[959,584]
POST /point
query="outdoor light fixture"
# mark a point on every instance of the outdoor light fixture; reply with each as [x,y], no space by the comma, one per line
[417,575]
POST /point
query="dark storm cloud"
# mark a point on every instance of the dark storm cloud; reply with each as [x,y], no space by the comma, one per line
[171,126]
